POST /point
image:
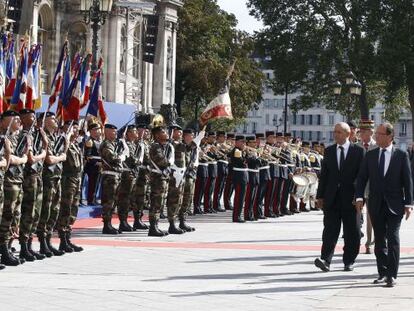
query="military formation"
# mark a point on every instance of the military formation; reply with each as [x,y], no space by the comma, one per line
[172,172]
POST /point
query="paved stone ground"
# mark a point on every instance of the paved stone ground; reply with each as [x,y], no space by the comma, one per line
[266,265]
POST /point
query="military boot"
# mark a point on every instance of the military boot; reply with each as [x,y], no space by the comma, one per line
[108,229]
[25,253]
[124,226]
[44,249]
[55,251]
[2,266]
[75,247]
[173,229]
[37,255]
[6,258]
[64,245]
[154,230]
[184,226]
[138,224]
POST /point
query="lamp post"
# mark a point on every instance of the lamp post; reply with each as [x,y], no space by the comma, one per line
[95,13]
[353,86]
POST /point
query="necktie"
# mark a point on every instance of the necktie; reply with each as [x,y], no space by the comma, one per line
[382,163]
[342,158]
[366,146]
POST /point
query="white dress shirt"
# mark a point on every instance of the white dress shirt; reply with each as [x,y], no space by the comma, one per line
[338,151]
[388,153]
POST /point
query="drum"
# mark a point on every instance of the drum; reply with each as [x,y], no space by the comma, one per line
[300,188]
[313,183]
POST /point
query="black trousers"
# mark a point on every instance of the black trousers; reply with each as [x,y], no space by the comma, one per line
[239,196]
[334,216]
[387,241]
[199,189]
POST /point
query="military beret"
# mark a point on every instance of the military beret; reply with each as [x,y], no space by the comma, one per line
[157,129]
[279,134]
[188,131]
[250,138]
[131,127]
[73,122]
[315,143]
[110,126]
[142,126]
[270,133]
[260,135]
[93,126]
[26,111]
[211,134]
[288,135]
[221,133]
[240,137]
[230,135]
[10,113]
[352,124]
[175,127]
[305,144]
[48,114]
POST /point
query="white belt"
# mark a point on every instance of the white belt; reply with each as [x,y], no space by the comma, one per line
[237,169]
[252,170]
[273,162]
[214,162]
[283,165]
[264,167]
[202,164]
[112,173]
[290,165]
[223,161]
[94,158]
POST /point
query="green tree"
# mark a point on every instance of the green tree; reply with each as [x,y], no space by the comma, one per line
[312,44]
[207,43]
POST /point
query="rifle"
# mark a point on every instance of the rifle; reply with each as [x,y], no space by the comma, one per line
[22,144]
[60,143]
[3,137]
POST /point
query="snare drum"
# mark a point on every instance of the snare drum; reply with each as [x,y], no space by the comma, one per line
[301,183]
[313,183]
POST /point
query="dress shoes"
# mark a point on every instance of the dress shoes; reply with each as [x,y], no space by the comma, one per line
[349,268]
[322,264]
[380,280]
[390,282]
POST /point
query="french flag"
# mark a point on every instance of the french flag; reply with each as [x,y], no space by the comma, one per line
[86,80]
[33,77]
[96,104]
[2,71]
[57,78]
[10,70]
[72,100]
[20,91]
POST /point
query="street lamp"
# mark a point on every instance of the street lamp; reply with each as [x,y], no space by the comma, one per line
[275,124]
[95,12]
[353,86]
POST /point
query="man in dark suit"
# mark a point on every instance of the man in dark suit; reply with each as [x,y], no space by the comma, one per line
[390,197]
[335,196]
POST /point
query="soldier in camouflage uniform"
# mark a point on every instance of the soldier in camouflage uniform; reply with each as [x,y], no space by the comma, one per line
[112,158]
[71,182]
[139,193]
[160,152]
[190,175]
[92,160]
[32,187]
[128,179]
[175,192]
[5,152]
[13,187]
[52,173]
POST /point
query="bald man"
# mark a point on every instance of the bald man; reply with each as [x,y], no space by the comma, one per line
[335,196]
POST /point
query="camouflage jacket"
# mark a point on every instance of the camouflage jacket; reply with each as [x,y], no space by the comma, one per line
[111,160]
[73,166]
[159,159]
[14,173]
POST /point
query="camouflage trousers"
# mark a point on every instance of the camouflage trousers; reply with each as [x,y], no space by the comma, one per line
[31,206]
[110,185]
[189,185]
[10,219]
[124,198]
[50,206]
[159,186]
[174,198]
[139,199]
[69,203]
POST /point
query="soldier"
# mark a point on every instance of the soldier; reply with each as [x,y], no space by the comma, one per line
[111,151]
[128,178]
[51,176]
[71,182]
[253,163]
[285,174]
[139,195]
[271,197]
[238,165]
[201,179]
[160,158]
[212,174]
[93,160]
[354,131]
[32,186]
[13,186]
[264,177]
[190,175]
[175,191]
[5,151]
[222,171]
[228,186]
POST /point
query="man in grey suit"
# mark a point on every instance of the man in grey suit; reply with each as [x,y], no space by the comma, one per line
[366,133]
[388,170]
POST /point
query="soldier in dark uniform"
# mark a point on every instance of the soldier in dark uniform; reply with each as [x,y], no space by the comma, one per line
[13,190]
[112,157]
[93,160]
[212,175]
[271,193]
[201,179]
[32,187]
[285,173]
[253,162]
[160,157]
[238,163]
[222,171]
[128,179]
[228,185]
[264,177]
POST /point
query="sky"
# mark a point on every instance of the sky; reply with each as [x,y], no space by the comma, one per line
[238,7]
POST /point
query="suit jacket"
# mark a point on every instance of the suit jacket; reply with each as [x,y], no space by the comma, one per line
[372,146]
[395,188]
[333,181]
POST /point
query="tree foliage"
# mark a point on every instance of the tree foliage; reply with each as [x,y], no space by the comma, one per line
[207,43]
